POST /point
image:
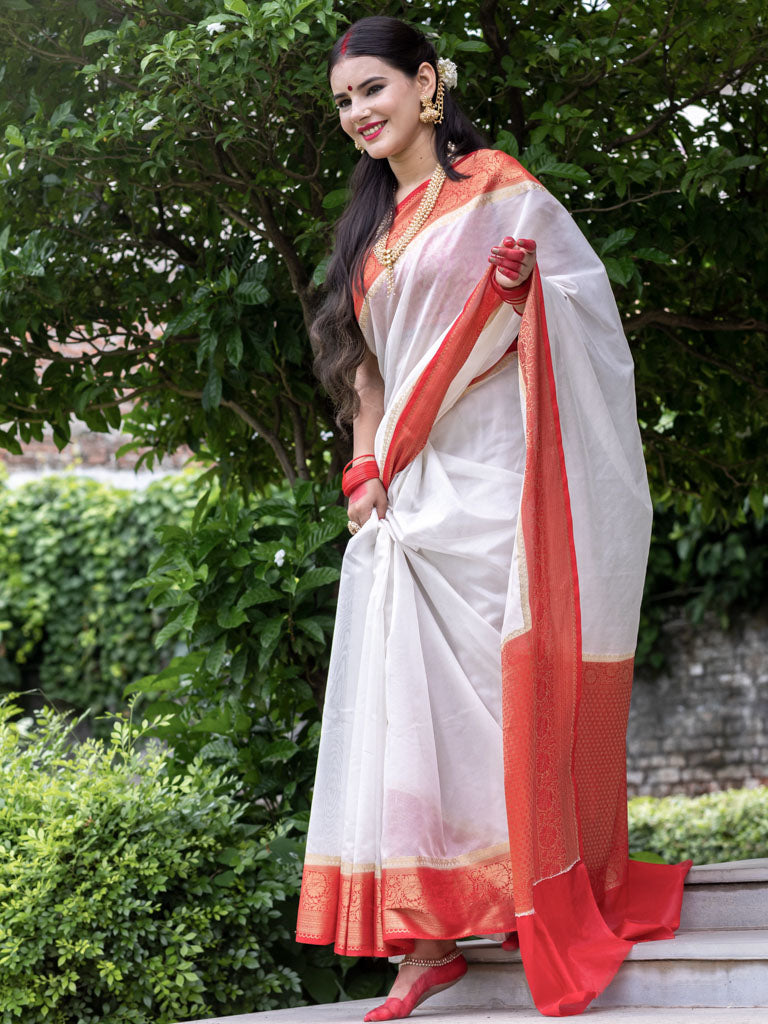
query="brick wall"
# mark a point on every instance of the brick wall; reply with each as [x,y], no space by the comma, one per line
[88,452]
[702,724]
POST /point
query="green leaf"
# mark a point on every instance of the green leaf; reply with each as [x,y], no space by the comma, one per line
[616,240]
[318,276]
[312,628]
[473,46]
[251,293]
[338,197]
[98,36]
[282,750]
[212,390]
[234,347]
[182,621]
[317,577]
[258,593]
[216,654]
[271,631]
[318,534]
[231,618]
[14,136]
[619,270]
[321,983]
[237,7]
[61,113]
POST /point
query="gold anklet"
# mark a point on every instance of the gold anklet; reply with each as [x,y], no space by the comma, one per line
[430,963]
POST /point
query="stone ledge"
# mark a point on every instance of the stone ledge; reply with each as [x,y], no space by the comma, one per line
[755,870]
[353,1012]
[721,944]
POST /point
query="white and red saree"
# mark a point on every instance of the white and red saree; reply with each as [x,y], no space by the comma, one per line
[472,767]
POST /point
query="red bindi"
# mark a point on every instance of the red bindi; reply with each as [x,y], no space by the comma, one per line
[349,88]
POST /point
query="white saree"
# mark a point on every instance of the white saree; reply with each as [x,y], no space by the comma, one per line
[471,773]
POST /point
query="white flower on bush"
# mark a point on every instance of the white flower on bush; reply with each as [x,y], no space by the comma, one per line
[149,125]
[215,26]
[279,557]
[448,72]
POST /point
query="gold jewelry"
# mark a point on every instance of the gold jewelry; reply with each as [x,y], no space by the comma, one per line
[433,112]
[359,146]
[388,257]
[353,527]
[447,959]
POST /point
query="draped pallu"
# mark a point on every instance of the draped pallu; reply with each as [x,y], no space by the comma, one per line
[472,765]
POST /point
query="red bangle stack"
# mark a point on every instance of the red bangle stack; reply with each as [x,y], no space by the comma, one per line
[514,296]
[354,475]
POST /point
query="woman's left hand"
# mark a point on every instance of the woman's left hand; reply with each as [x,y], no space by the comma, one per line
[514,261]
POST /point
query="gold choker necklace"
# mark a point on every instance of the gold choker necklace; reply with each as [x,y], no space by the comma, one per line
[388,257]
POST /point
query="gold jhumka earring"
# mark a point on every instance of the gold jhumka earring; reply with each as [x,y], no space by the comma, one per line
[359,146]
[432,112]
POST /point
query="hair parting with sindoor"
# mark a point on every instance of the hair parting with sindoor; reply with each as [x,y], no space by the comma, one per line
[337,340]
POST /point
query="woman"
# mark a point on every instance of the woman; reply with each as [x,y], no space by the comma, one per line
[472,775]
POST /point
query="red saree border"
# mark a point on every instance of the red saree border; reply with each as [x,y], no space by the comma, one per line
[487,170]
[541,666]
[415,421]
[581,903]
[364,913]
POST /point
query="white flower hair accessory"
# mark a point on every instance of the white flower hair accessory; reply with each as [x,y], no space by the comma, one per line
[448,72]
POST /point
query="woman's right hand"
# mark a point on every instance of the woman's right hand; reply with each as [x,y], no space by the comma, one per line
[369,495]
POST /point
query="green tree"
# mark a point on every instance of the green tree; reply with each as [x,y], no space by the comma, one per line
[170,171]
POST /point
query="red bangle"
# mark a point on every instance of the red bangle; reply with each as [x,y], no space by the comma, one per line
[357,459]
[513,296]
[352,478]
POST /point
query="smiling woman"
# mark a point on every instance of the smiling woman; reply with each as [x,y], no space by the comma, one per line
[471,775]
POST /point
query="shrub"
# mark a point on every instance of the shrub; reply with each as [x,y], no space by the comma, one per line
[70,549]
[128,895]
[729,825]
[249,591]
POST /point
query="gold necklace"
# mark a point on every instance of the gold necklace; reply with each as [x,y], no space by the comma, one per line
[388,257]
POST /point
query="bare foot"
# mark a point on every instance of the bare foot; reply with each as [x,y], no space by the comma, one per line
[423,949]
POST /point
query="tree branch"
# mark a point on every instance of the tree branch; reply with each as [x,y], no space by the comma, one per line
[256,425]
[290,257]
[662,316]
[627,202]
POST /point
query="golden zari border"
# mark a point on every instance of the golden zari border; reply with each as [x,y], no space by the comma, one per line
[367,914]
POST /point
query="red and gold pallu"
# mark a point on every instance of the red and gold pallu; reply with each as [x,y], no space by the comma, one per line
[472,767]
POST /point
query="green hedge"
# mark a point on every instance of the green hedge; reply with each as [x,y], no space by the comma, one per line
[70,550]
[131,894]
[127,895]
[729,825]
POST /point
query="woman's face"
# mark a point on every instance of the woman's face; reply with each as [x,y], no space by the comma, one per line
[380,105]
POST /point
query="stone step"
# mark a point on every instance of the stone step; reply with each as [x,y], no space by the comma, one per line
[733,894]
[354,1011]
[754,870]
[721,906]
[714,972]
[715,968]
[722,944]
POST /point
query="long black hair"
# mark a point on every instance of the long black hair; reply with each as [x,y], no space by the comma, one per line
[336,336]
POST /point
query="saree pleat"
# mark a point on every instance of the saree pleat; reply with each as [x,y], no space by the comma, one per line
[472,766]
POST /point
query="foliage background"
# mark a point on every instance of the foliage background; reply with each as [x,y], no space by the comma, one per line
[71,622]
[127,894]
[180,163]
